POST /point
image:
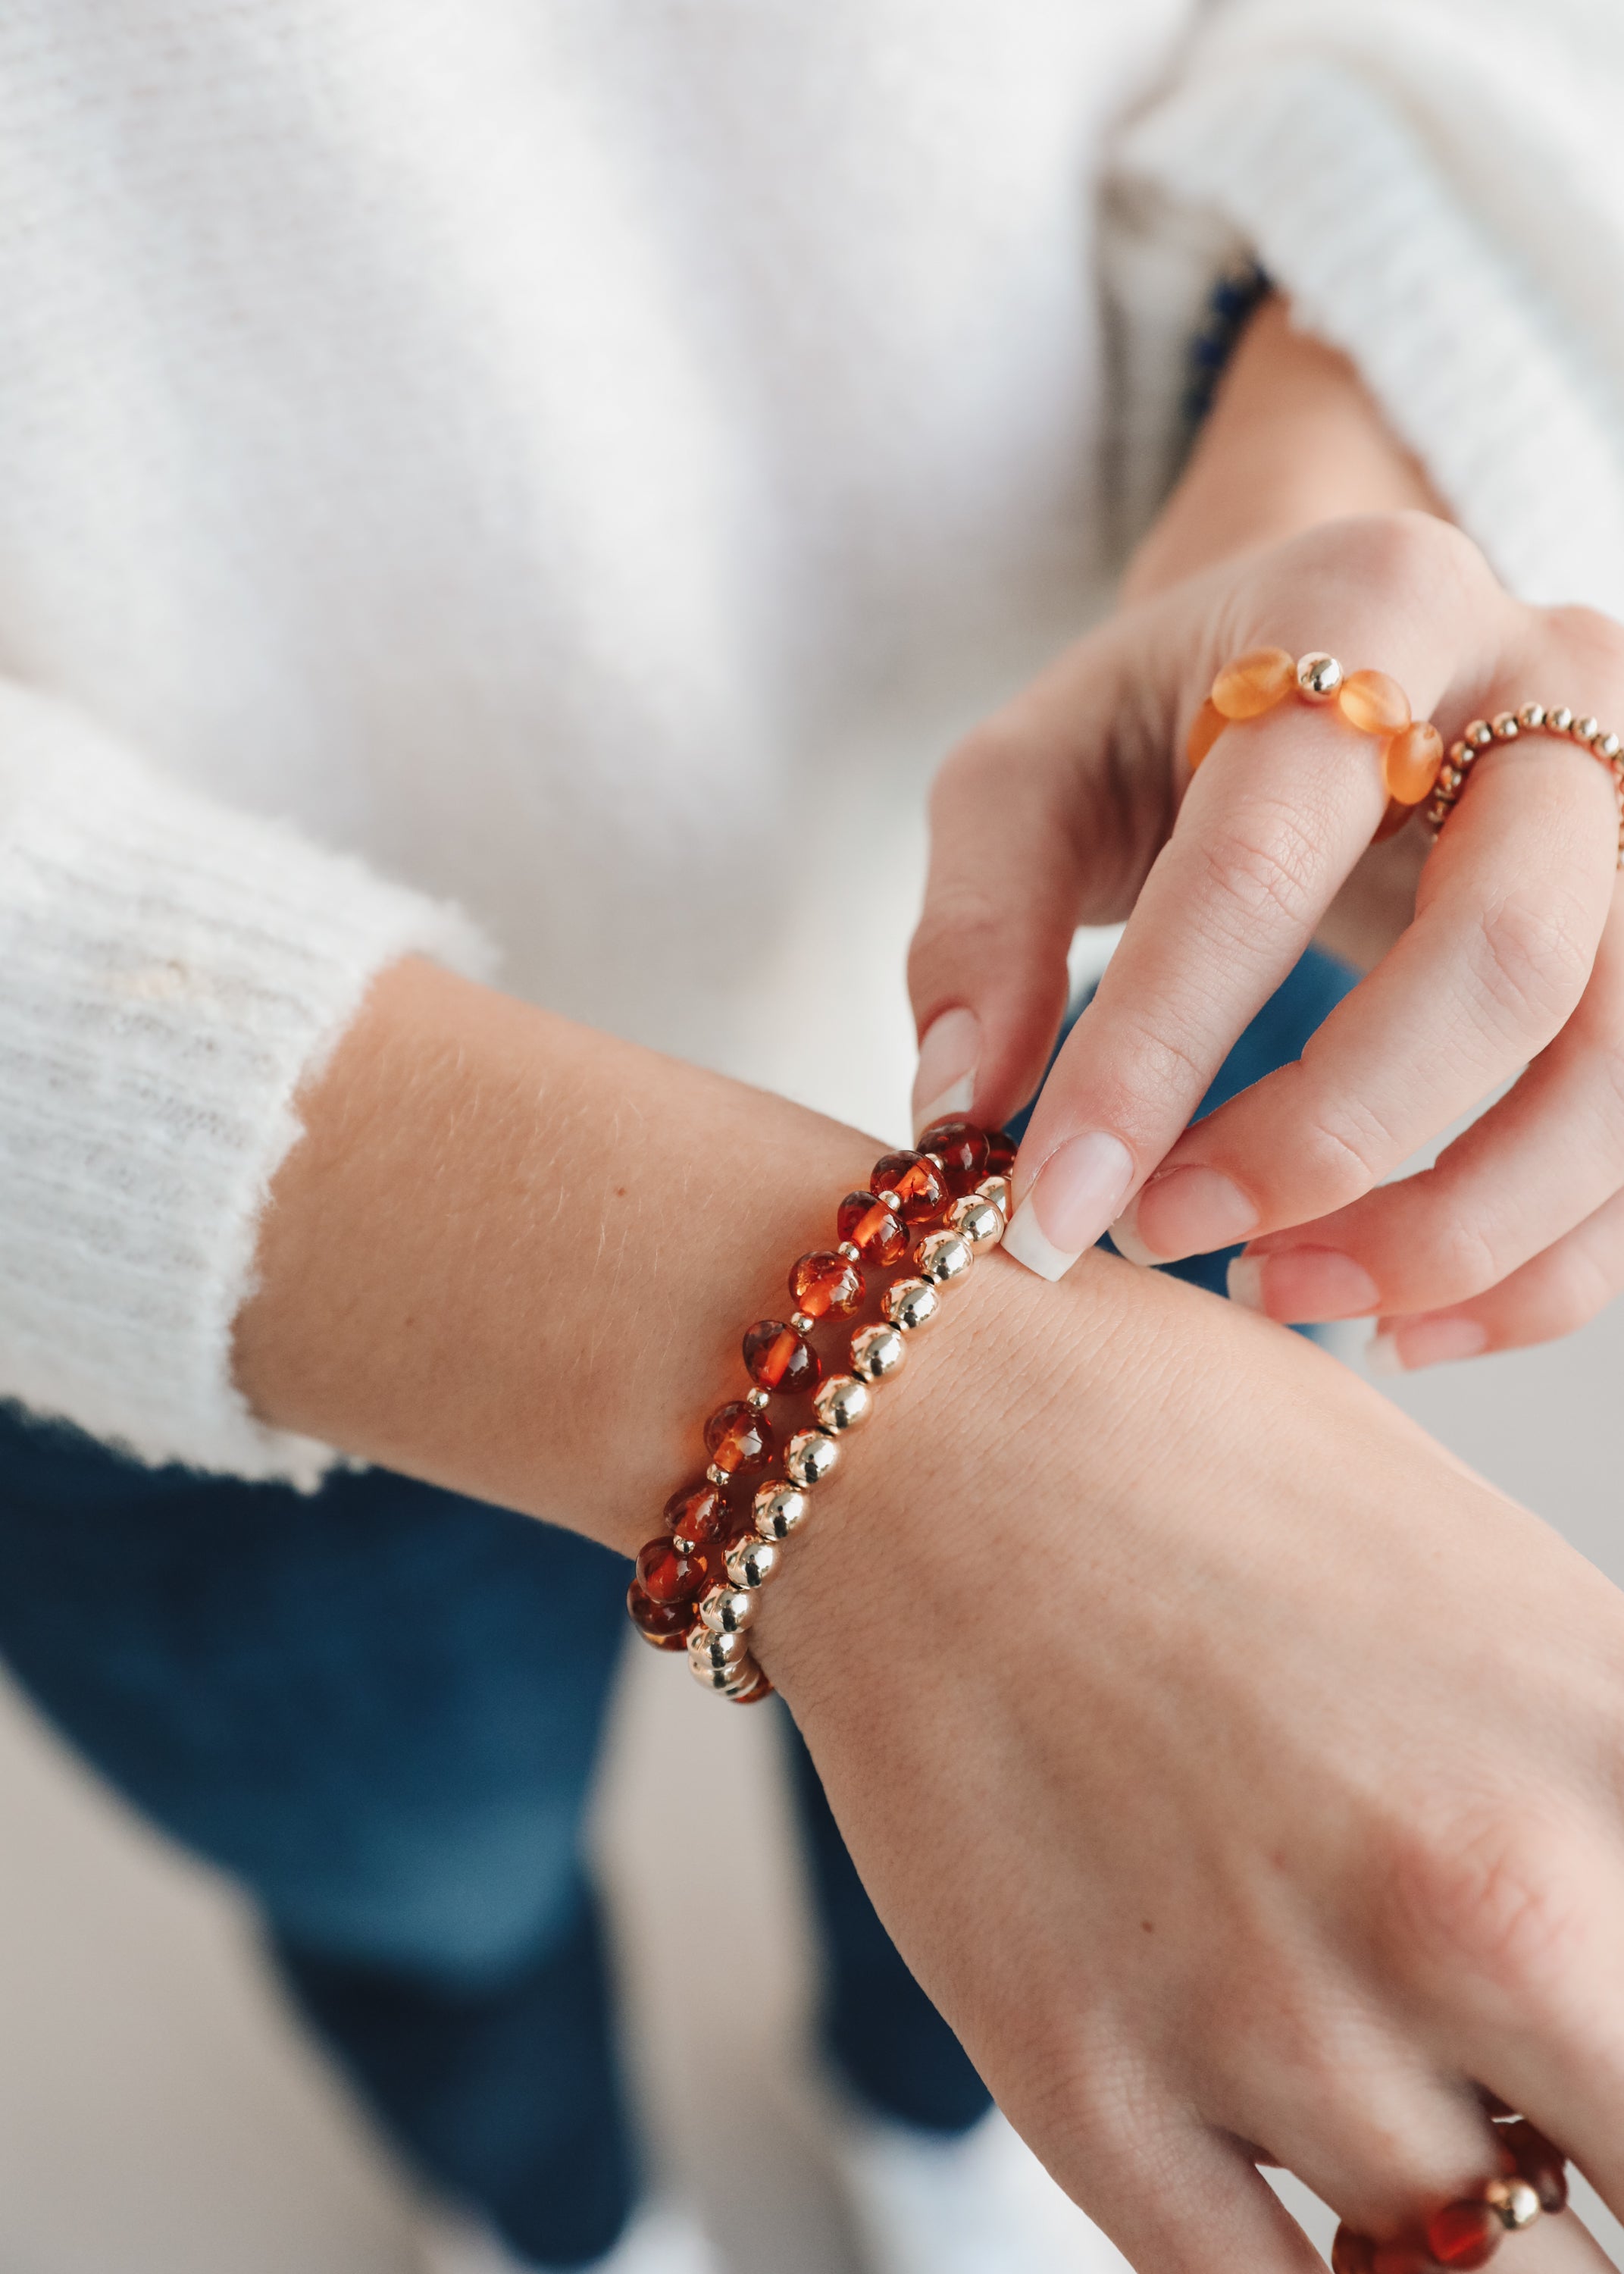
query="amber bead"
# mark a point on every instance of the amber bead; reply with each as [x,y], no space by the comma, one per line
[1535,2159]
[1465,2235]
[1410,762]
[1373,703]
[916,1182]
[699,1515]
[1351,2252]
[1208,723]
[825,1285]
[778,1357]
[1000,1153]
[877,1233]
[961,1149]
[760,1688]
[664,1624]
[739,1443]
[671,1574]
[1254,684]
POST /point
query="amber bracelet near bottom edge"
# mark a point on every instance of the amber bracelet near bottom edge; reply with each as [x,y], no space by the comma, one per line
[924,1215]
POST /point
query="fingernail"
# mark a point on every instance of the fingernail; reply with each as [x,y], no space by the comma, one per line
[1189,1212]
[1128,1244]
[1077,1193]
[1294,1284]
[948,1057]
[1424,1342]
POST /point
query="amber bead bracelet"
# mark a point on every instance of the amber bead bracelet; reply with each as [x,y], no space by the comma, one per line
[1415,771]
[1532,2179]
[697,1583]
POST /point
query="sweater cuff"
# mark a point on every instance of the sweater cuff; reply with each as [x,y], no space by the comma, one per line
[172,971]
[1348,196]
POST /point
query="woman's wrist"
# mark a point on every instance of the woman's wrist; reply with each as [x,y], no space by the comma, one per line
[1293,438]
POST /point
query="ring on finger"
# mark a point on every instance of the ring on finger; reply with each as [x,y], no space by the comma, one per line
[1509,726]
[1466,2233]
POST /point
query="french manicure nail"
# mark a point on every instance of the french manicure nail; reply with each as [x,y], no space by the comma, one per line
[1294,1284]
[948,1058]
[1077,1193]
[1125,1239]
[1424,1342]
[1190,1212]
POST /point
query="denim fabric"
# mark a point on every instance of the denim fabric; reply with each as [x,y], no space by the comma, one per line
[356,1703]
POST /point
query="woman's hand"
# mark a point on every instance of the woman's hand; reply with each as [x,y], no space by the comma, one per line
[1076,805]
[1239,1774]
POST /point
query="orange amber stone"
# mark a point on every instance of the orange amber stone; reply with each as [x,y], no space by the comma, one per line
[1209,724]
[1000,1153]
[1351,2252]
[1536,2160]
[780,1359]
[1373,703]
[826,1285]
[917,1183]
[1465,2235]
[878,1236]
[665,1624]
[740,1441]
[1253,683]
[697,1514]
[1410,762]
[669,1574]
[961,1149]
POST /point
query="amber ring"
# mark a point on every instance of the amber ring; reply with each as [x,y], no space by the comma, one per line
[1532,2179]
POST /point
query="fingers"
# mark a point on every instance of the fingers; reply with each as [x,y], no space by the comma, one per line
[1559,1291]
[1538,1163]
[1270,827]
[1513,905]
[1027,841]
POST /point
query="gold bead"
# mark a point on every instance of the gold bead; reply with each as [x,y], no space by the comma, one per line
[1586,730]
[996,1189]
[1609,747]
[877,1351]
[1478,734]
[778,1508]
[802,1322]
[757,1400]
[1319,676]
[726,1610]
[842,1402]
[1531,717]
[1504,726]
[722,1653]
[977,1220]
[716,1476]
[850,1250]
[892,1200]
[1513,2202]
[910,1304]
[752,1563]
[944,1257]
[810,1456]
[1560,719]
[723,1681]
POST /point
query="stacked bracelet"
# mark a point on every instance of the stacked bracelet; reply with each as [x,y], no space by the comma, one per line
[697,1583]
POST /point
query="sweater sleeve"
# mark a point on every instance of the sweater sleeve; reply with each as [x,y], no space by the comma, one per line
[1432,182]
[169,972]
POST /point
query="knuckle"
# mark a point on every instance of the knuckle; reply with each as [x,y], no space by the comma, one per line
[1260,865]
[1574,1285]
[1412,552]
[1532,960]
[1494,1894]
[1588,641]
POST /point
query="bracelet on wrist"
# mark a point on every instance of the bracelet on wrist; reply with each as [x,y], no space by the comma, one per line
[925,1215]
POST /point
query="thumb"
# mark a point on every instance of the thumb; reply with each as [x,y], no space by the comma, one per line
[1025,843]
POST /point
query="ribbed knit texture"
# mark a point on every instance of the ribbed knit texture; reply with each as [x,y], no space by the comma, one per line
[586,459]
[172,972]
[1432,182]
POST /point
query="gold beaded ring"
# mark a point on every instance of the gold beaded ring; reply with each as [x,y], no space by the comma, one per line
[1509,726]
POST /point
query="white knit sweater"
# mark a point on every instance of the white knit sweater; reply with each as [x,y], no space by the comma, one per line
[580,459]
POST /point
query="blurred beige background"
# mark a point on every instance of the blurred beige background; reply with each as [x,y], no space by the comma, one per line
[160,2115]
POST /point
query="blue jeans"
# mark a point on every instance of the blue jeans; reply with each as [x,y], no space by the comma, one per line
[354,1703]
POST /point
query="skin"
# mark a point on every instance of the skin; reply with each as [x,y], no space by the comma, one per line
[1239,1772]
[1301,524]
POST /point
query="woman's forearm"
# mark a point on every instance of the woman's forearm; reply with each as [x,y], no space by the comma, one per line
[1293,438]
